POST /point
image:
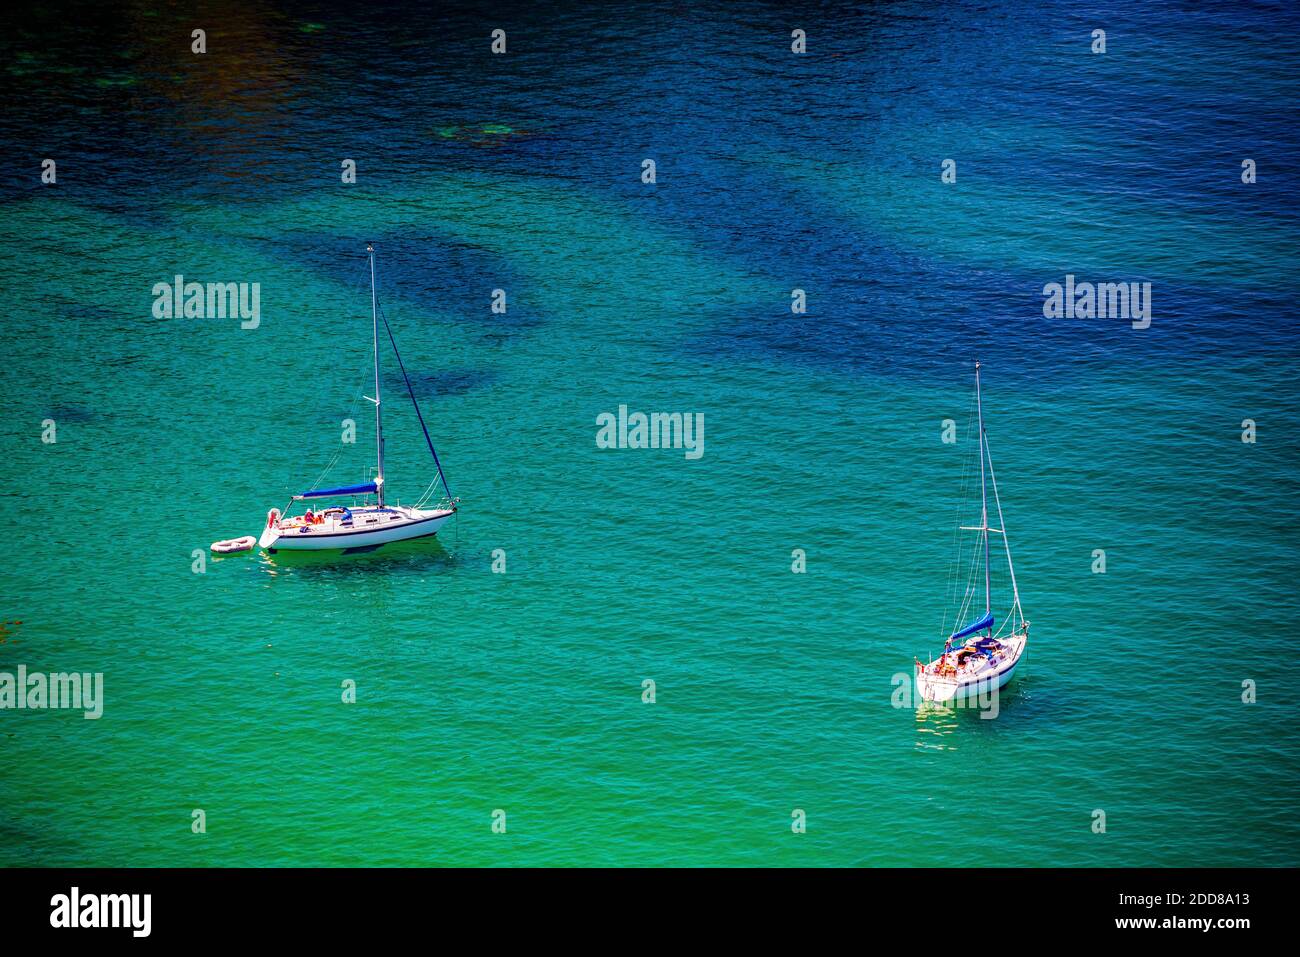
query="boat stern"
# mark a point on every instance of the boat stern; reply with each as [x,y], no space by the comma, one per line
[934,689]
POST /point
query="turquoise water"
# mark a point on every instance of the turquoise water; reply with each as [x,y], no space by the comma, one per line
[522,691]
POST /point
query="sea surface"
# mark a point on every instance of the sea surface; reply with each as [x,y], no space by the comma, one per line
[774,691]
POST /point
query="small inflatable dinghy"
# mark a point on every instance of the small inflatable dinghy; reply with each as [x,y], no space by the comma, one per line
[234,545]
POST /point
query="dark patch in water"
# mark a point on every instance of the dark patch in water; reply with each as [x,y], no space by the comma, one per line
[122,360]
[880,325]
[419,276]
[70,413]
[444,382]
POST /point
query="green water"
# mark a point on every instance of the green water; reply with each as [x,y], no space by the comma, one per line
[523,691]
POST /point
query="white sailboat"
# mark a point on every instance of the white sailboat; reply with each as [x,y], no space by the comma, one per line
[988,657]
[367,522]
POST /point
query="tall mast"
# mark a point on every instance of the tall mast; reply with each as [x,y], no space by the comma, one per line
[984,502]
[379,424]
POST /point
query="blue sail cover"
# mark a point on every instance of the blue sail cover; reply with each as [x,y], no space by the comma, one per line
[985,622]
[345,490]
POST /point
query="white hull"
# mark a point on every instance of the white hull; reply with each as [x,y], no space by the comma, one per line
[366,528]
[963,686]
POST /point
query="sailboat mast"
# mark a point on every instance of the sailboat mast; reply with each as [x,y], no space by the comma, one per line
[379,424]
[984,501]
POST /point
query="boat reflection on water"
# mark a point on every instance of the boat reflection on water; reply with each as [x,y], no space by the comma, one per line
[936,723]
[414,556]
